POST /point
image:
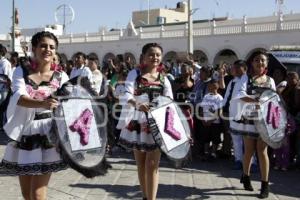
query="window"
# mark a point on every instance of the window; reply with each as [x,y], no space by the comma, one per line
[161,20]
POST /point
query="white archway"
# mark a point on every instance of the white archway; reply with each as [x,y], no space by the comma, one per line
[226,55]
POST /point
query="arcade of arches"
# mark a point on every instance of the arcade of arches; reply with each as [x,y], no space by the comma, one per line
[225,55]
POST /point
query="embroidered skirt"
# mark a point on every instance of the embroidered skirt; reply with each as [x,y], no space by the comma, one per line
[136,134]
[34,154]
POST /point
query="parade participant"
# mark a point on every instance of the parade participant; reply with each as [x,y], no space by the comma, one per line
[141,87]
[5,66]
[31,155]
[80,69]
[252,140]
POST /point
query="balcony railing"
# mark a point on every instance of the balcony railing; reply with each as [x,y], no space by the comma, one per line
[229,27]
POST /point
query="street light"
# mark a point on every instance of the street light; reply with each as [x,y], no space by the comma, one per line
[190,28]
[148,14]
[13,26]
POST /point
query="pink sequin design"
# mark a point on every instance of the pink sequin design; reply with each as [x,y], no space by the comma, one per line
[40,94]
[273,115]
[82,126]
[169,124]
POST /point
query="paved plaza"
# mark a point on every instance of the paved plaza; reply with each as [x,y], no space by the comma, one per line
[200,180]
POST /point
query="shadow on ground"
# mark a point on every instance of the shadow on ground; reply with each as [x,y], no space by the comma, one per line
[164,191]
[281,183]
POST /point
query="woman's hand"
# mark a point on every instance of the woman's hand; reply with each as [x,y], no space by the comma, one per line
[144,107]
[250,100]
[222,72]
[50,104]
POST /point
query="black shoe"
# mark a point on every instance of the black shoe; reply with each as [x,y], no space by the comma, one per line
[247,182]
[264,191]
[144,198]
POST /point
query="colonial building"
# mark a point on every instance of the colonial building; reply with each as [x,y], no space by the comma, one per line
[161,15]
[215,41]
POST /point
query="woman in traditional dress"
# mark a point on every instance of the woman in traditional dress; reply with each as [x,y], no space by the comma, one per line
[142,85]
[252,140]
[31,155]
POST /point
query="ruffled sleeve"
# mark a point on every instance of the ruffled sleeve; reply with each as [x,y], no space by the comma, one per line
[129,87]
[127,112]
[16,122]
[273,85]
[64,78]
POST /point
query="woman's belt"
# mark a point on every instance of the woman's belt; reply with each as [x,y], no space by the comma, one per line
[45,115]
[32,142]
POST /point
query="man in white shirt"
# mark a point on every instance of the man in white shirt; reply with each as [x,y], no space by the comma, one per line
[5,66]
[80,69]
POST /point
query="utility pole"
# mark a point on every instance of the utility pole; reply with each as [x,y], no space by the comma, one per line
[148,14]
[190,28]
[13,27]
[280,4]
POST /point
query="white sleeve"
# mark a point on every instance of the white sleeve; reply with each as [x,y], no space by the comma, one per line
[88,73]
[242,92]
[129,87]
[220,102]
[7,69]
[18,84]
[168,88]
[17,116]
[226,93]
[64,78]
[273,85]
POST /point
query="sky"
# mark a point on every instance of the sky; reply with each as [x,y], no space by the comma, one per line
[90,15]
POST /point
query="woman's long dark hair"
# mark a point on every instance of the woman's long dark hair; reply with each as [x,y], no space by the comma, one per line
[37,38]
[251,59]
[148,46]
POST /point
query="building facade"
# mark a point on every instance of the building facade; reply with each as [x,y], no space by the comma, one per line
[161,16]
[214,41]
